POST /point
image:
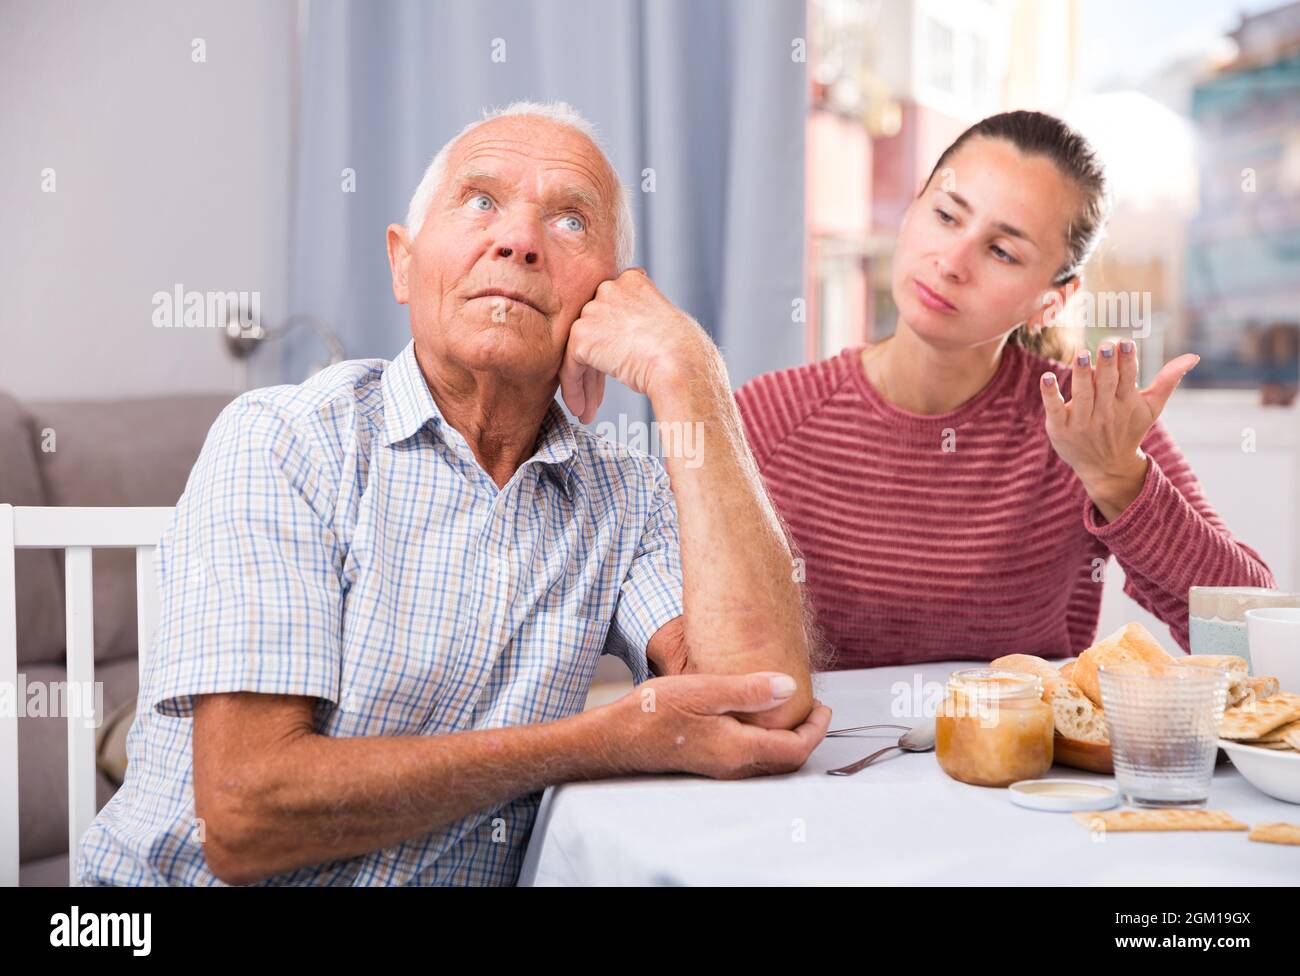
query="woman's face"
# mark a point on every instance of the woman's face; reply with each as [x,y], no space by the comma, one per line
[979,247]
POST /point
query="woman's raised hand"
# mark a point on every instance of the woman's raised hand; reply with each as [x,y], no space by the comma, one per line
[1099,432]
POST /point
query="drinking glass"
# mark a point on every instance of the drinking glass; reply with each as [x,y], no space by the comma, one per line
[1164,731]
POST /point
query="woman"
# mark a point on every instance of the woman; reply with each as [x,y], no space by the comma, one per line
[955,491]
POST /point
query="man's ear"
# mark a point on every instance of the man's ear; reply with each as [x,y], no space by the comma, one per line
[1050,303]
[399,261]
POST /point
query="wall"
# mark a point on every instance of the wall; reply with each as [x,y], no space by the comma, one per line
[166,172]
[1255,492]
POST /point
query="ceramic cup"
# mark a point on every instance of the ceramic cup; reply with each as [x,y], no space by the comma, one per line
[1217,617]
[1274,634]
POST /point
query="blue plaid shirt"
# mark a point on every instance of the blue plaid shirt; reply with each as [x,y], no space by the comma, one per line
[338,539]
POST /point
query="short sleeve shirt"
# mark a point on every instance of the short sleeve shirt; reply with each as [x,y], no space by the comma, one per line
[337,539]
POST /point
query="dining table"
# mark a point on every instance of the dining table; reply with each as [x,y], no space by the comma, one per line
[899,821]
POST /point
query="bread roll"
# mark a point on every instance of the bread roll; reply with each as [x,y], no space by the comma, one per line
[1263,686]
[1257,689]
[1075,716]
[1224,662]
[1131,644]
[1238,680]
[1067,670]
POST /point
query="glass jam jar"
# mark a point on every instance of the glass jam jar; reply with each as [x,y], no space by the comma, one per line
[993,727]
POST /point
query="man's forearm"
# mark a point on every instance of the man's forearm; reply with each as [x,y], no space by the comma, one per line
[321,798]
[743,610]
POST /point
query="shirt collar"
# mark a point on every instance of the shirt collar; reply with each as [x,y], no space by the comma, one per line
[409,406]
[557,447]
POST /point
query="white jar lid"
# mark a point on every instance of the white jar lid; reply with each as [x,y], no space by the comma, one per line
[1063,795]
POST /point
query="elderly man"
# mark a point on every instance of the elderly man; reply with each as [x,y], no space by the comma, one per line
[385,590]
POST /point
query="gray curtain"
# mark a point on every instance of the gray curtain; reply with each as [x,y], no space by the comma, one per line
[703,92]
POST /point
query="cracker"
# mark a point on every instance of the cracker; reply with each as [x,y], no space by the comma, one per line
[1276,833]
[1278,734]
[1120,820]
[1260,717]
[1293,739]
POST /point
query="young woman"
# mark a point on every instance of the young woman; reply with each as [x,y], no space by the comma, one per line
[955,490]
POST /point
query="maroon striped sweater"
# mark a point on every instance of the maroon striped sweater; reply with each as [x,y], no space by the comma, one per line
[963,535]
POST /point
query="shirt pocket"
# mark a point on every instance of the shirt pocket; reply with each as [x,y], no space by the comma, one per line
[551,662]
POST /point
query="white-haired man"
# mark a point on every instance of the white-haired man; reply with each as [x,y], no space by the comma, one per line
[385,590]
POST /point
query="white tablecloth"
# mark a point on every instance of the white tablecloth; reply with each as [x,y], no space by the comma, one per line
[899,821]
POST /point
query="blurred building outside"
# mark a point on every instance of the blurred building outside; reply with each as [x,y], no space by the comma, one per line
[1203,156]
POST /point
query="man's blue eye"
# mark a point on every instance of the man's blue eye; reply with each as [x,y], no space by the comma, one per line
[575,223]
[474,201]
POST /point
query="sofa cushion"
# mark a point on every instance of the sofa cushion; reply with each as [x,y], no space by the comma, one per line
[39,577]
[45,872]
[110,741]
[120,452]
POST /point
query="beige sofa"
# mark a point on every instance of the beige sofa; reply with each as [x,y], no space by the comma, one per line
[121,452]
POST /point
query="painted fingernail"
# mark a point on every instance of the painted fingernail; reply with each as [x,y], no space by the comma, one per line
[1084,358]
[1126,345]
[1049,379]
[1108,350]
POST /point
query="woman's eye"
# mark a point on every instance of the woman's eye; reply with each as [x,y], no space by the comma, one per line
[1003,255]
[480,201]
[572,222]
[944,217]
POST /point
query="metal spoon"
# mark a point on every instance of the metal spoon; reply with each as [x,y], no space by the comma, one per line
[919,739]
[863,728]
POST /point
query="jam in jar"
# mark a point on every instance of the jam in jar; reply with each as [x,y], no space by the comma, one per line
[994,728]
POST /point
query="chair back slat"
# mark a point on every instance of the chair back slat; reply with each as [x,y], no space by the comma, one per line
[79,600]
[78,531]
[9,853]
[146,604]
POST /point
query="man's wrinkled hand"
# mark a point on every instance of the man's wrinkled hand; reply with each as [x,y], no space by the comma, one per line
[631,332]
[683,723]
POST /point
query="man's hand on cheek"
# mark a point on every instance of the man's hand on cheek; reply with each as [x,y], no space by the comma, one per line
[630,331]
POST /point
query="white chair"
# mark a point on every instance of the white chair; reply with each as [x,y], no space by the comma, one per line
[76,531]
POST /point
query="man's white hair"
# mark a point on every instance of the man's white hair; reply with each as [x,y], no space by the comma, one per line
[560,112]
